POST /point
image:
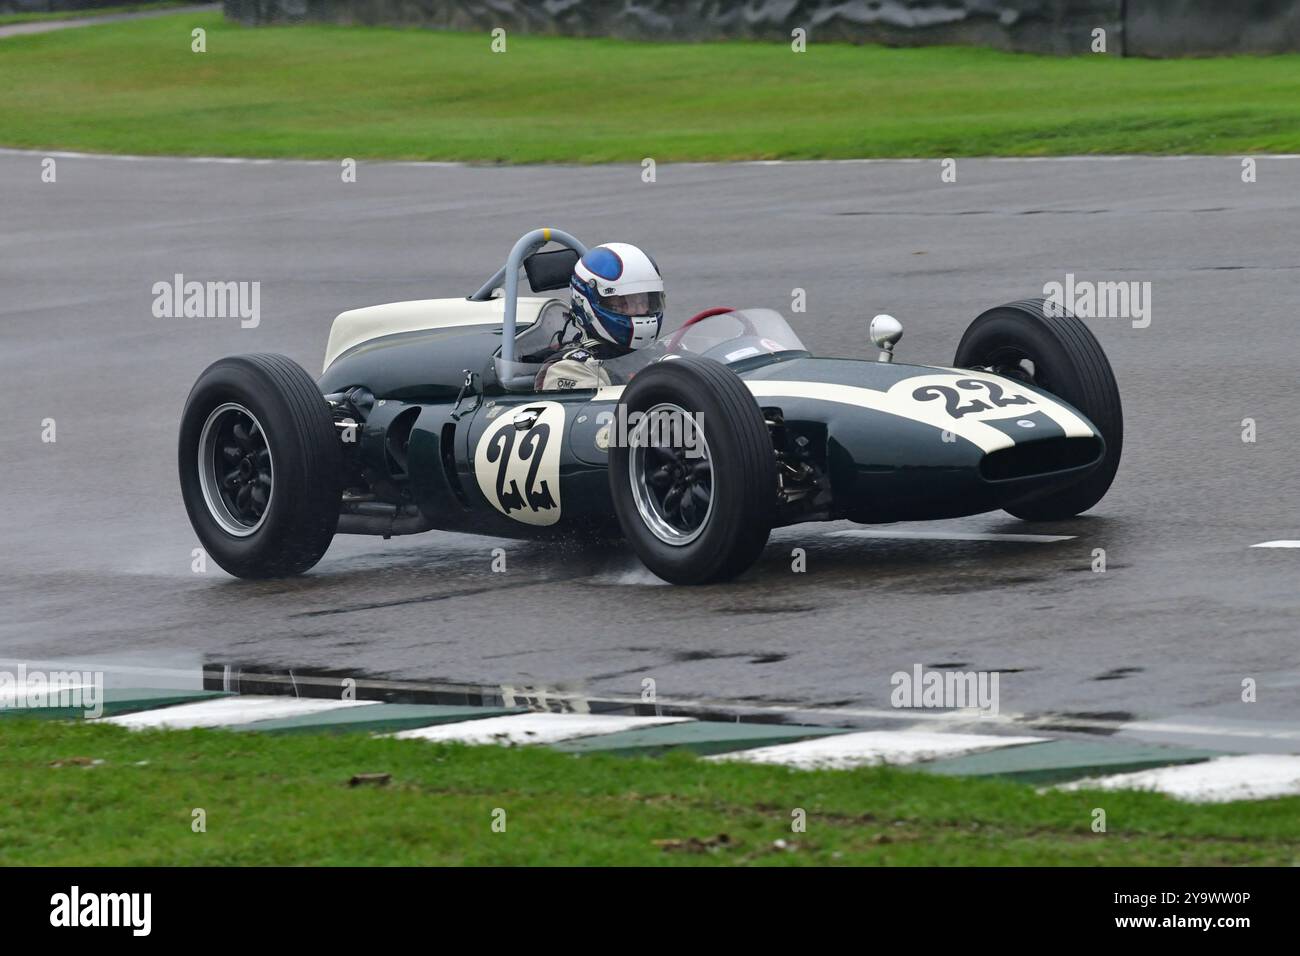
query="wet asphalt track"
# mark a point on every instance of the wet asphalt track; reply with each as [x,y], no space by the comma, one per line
[96,544]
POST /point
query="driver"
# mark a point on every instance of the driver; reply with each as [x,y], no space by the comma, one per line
[618,302]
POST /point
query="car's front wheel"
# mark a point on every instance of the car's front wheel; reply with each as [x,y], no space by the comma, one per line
[693,480]
[1052,350]
[260,466]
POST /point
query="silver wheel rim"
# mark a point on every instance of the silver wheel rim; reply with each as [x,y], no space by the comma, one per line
[217,465]
[678,521]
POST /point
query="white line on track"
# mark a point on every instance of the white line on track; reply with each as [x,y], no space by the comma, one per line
[49,26]
[193,681]
[230,712]
[1182,157]
[192,677]
[439,164]
[534,728]
[1188,725]
[16,697]
[232,160]
[1277,544]
[874,747]
[1251,777]
[952,536]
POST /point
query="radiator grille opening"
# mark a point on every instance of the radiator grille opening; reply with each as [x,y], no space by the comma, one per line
[1040,458]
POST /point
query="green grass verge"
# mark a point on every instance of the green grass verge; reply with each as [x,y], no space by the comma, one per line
[8,18]
[273,799]
[325,91]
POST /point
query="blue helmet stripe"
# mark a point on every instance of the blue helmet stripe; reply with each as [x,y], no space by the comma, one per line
[603,262]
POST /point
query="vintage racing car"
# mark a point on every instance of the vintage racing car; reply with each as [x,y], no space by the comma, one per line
[427,416]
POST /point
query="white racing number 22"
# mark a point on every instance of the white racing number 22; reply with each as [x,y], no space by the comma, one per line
[518,469]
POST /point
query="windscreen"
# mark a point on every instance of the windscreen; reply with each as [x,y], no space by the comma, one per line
[734,336]
[744,338]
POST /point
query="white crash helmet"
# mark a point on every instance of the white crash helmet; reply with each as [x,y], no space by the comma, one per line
[618,295]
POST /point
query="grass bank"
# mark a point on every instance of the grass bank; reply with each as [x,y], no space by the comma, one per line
[371,93]
[82,794]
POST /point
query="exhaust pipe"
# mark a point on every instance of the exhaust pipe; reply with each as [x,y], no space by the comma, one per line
[380,518]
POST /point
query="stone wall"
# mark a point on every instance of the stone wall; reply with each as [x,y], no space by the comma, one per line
[1212,27]
[1054,26]
[1158,28]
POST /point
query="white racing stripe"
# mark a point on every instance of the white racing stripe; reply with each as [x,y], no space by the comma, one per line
[1251,777]
[952,536]
[868,748]
[899,401]
[533,728]
[230,711]
[1277,544]
[358,326]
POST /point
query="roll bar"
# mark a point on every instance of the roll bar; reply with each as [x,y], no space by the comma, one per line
[528,244]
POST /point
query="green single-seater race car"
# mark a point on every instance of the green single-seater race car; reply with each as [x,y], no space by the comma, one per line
[428,417]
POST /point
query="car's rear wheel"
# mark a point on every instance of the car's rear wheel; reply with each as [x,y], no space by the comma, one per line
[260,466]
[1059,354]
[694,485]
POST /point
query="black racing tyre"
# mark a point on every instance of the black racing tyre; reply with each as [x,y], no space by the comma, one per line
[693,518]
[260,466]
[1060,355]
